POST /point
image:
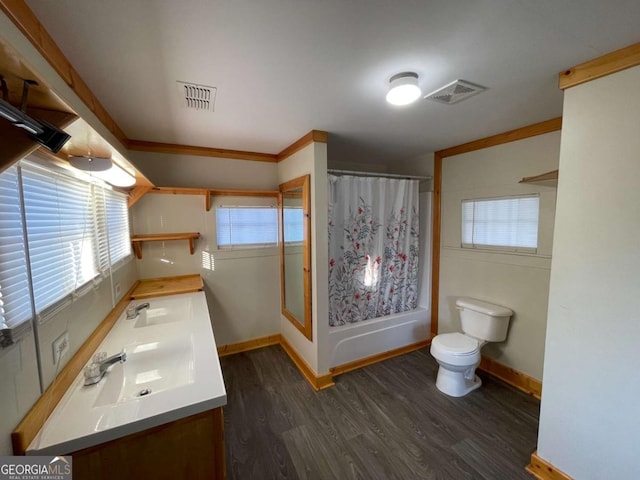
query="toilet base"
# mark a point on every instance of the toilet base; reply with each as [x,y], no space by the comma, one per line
[457,383]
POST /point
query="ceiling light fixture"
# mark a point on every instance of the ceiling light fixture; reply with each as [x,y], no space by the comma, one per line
[104,169]
[403,89]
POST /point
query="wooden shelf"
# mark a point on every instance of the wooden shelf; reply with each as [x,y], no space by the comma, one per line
[208,193]
[547,178]
[157,287]
[137,240]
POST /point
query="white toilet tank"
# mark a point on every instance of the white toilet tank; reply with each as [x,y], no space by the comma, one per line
[482,320]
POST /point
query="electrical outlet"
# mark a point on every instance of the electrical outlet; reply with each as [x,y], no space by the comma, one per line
[116,289]
[60,347]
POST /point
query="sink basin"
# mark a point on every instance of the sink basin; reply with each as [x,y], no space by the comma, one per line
[151,367]
[172,371]
[163,311]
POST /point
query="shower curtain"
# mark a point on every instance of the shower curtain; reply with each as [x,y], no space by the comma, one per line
[373,247]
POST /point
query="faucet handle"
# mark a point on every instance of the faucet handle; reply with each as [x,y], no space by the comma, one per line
[99,357]
[92,370]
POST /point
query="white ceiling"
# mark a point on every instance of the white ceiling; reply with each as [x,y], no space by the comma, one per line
[285,67]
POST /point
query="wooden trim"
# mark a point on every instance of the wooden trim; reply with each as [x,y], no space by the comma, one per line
[313,136]
[233,348]
[513,377]
[176,149]
[379,357]
[160,287]
[136,194]
[541,128]
[599,67]
[216,192]
[219,192]
[543,470]
[435,242]
[317,382]
[27,22]
[179,191]
[31,424]
[304,327]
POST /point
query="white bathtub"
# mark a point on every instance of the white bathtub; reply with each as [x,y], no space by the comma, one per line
[348,343]
[171,356]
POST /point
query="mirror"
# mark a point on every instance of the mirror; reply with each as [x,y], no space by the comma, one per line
[295,253]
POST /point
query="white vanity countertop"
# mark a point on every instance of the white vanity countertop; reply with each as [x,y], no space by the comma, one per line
[171,351]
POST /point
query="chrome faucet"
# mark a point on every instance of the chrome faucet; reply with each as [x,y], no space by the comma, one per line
[133,312]
[94,372]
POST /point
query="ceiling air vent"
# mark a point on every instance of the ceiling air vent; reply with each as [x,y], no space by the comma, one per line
[197,97]
[455,92]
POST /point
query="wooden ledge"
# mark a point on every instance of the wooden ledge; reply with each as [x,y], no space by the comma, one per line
[137,240]
[159,287]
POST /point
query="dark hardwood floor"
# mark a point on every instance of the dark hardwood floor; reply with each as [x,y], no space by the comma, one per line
[385,421]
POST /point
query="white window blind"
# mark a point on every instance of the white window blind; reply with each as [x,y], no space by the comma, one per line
[15,296]
[246,226]
[293,224]
[74,229]
[117,216]
[102,235]
[508,223]
[60,221]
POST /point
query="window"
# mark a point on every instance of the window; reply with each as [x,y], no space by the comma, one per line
[508,223]
[117,218]
[246,227]
[114,239]
[293,224]
[60,221]
[15,298]
[58,234]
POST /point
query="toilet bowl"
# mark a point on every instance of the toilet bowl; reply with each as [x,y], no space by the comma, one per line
[458,354]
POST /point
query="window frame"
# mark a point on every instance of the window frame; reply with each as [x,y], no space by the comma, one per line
[245,202]
[522,249]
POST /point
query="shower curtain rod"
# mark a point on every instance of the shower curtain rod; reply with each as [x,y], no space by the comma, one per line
[374,174]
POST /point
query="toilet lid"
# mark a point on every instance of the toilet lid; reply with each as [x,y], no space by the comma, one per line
[456,343]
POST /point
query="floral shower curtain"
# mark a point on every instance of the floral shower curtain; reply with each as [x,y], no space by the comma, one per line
[373,247]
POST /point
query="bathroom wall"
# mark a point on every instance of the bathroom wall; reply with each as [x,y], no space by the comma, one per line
[19,384]
[19,387]
[170,170]
[242,286]
[312,160]
[517,281]
[589,422]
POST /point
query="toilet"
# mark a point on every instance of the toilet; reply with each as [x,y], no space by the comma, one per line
[459,353]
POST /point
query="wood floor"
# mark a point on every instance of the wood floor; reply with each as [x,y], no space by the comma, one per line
[385,421]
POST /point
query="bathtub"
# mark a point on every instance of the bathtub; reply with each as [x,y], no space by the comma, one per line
[348,343]
[355,341]
[171,372]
